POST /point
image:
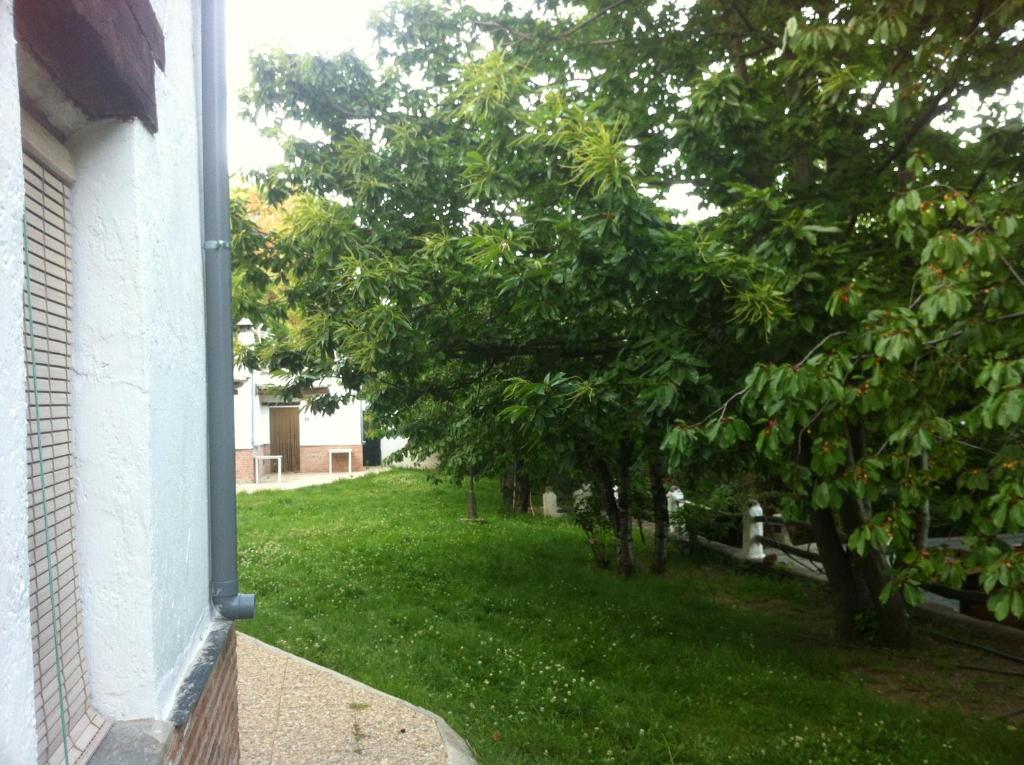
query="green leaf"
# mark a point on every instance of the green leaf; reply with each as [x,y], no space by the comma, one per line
[886,592]
[913,595]
[821,497]
[1017,604]
[999,604]
[1006,226]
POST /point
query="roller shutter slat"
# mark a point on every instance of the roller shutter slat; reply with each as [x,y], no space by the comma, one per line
[50,463]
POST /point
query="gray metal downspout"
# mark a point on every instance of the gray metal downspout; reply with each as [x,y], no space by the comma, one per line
[219,355]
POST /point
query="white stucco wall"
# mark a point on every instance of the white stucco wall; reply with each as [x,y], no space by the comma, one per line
[343,427]
[139,390]
[178,436]
[243,411]
[17,707]
[389,446]
[244,421]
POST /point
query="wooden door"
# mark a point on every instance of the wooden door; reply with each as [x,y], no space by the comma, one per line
[284,436]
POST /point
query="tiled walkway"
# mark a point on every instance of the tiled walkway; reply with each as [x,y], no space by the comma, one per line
[294,712]
[301,480]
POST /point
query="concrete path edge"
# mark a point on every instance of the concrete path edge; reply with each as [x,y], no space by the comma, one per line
[458,750]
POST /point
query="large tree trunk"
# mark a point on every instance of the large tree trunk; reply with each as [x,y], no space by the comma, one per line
[606,487]
[846,605]
[847,600]
[617,518]
[521,492]
[659,500]
[471,502]
[893,620]
[508,487]
[627,553]
[923,521]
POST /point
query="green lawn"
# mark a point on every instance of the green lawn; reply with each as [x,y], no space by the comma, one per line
[506,630]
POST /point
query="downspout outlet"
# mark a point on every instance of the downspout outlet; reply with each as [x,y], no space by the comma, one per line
[239,606]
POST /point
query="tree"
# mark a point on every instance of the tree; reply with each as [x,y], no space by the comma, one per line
[485,210]
[875,244]
[493,229]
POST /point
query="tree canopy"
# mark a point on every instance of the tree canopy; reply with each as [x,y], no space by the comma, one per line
[478,238]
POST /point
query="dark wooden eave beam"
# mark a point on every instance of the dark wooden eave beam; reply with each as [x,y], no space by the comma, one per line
[101,53]
[150,28]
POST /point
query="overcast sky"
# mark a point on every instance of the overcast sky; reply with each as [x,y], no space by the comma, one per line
[312,26]
[308,26]
[329,26]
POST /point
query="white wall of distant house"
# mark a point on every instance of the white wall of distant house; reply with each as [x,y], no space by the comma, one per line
[343,428]
[246,404]
[17,706]
[389,446]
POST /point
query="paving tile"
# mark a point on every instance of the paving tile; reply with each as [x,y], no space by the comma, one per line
[291,481]
[260,675]
[292,712]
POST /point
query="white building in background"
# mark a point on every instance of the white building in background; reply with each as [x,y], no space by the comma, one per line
[268,427]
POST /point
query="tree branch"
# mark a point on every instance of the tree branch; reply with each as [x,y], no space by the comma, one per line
[720,411]
[1012,270]
[952,335]
[593,17]
[817,345]
[948,91]
[591,347]
[916,127]
[496,25]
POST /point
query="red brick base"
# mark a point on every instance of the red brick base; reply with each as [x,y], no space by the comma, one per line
[210,736]
[313,459]
[245,464]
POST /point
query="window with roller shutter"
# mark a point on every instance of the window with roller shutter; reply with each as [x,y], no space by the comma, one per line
[67,725]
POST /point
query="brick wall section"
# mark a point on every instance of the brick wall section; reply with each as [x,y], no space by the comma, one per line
[210,737]
[244,465]
[313,459]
